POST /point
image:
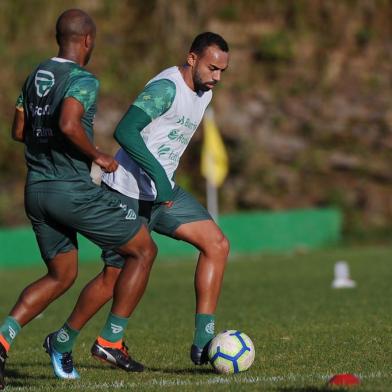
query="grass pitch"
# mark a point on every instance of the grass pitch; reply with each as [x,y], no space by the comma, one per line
[303,331]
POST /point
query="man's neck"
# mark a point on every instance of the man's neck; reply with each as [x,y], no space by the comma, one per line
[186,73]
[71,55]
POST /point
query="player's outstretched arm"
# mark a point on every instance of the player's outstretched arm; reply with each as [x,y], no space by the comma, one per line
[70,124]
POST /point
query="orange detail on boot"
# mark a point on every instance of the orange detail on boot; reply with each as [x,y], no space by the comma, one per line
[4,343]
[105,343]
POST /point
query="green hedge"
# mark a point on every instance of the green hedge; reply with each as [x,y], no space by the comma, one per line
[251,232]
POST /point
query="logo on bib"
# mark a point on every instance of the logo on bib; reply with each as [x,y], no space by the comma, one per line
[173,134]
[44,81]
[187,122]
[163,150]
[176,135]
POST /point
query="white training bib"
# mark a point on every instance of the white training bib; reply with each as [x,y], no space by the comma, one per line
[166,137]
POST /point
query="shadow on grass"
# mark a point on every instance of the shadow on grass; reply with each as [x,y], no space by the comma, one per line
[22,364]
[312,389]
[15,378]
[186,372]
[98,366]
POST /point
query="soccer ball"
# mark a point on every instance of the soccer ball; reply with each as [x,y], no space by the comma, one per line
[231,352]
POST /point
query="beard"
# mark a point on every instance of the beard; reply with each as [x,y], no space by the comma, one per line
[200,85]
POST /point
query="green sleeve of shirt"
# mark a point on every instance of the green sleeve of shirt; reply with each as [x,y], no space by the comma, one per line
[85,90]
[19,101]
[128,136]
[156,98]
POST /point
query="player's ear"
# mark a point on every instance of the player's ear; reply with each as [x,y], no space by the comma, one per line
[191,59]
[88,41]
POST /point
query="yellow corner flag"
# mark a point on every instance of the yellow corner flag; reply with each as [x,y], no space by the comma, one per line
[214,161]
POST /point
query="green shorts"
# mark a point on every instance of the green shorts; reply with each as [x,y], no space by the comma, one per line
[159,218]
[58,213]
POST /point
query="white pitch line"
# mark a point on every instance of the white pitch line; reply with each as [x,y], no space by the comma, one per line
[216,380]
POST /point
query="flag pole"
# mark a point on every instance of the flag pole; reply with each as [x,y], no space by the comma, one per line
[212,200]
[214,165]
[212,189]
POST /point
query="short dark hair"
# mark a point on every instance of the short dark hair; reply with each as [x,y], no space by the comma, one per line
[73,23]
[204,40]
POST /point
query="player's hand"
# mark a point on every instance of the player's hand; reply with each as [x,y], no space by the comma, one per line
[168,204]
[106,162]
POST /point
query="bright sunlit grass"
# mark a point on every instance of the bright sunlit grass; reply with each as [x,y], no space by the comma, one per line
[303,331]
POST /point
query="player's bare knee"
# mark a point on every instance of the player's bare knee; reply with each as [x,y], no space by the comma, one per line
[224,246]
[145,254]
[219,247]
[60,286]
[63,280]
[154,250]
[149,253]
[67,281]
[109,277]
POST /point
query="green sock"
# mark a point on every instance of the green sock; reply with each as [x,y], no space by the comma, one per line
[9,329]
[204,329]
[65,338]
[114,329]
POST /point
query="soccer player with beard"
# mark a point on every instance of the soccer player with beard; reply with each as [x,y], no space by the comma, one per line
[153,135]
